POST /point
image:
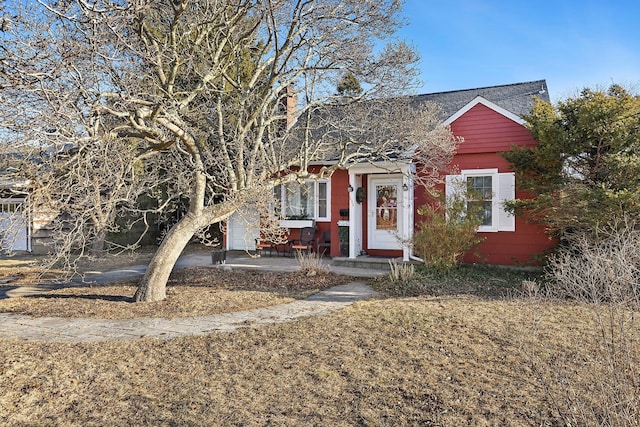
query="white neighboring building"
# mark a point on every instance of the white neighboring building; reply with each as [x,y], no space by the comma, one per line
[15,219]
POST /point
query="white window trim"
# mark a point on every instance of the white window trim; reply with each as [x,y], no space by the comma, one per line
[502,189]
[480,100]
[493,173]
[316,217]
[316,198]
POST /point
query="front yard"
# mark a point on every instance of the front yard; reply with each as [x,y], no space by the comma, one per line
[440,358]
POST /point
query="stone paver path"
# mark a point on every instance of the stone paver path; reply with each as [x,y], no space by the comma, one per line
[74,330]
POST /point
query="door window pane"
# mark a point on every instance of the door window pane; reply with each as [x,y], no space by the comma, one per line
[386,207]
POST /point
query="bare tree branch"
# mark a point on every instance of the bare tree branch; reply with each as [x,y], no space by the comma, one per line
[189,94]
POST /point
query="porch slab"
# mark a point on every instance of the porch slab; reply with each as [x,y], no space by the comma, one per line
[366,262]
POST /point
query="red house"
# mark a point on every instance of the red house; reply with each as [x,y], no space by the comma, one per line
[369,209]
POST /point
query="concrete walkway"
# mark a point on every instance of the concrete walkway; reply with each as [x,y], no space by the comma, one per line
[73,330]
[50,329]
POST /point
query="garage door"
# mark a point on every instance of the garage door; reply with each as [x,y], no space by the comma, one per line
[243,231]
[14,226]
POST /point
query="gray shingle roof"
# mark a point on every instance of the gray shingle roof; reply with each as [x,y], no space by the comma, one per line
[516,98]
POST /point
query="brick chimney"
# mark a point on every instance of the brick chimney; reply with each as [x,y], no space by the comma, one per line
[288,104]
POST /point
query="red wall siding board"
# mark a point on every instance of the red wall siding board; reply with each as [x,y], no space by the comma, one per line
[339,200]
[485,131]
[384,253]
[512,248]
[481,161]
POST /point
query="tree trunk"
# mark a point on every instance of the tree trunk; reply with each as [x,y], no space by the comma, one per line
[97,247]
[154,283]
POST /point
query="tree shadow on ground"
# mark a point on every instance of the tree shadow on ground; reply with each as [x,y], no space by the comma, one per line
[111,298]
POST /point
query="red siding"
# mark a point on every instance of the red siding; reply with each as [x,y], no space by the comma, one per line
[522,247]
[390,253]
[486,133]
[339,200]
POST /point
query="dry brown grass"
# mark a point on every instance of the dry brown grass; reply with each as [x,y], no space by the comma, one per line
[444,360]
[116,302]
[24,272]
[191,292]
[415,361]
[28,269]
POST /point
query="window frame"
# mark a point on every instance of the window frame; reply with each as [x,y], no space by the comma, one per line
[493,174]
[502,189]
[315,215]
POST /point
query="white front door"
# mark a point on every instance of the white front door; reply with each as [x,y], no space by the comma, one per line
[385,212]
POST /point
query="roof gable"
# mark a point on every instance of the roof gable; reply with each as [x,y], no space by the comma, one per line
[480,100]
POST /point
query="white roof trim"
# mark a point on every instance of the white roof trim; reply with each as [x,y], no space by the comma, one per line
[480,100]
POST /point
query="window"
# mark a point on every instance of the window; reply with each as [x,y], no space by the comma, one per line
[488,191]
[323,200]
[387,207]
[298,202]
[481,197]
[306,200]
[11,206]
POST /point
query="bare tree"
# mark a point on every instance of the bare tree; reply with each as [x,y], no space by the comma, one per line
[78,177]
[88,187]
[224,99]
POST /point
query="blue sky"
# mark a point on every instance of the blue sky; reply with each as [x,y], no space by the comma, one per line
[572,44]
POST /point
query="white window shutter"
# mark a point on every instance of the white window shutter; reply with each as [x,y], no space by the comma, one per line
[453,185]
[506,192]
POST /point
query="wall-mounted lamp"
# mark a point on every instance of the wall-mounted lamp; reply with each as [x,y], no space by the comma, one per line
[350,189]
[405,187]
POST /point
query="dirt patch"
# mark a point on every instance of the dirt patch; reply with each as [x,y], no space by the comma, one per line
[191,292]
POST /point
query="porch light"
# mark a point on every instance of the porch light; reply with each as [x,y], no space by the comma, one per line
[350,188]
[405,187]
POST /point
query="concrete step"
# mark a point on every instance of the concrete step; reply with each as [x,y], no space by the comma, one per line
[367,262]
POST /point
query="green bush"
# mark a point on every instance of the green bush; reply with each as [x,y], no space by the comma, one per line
[448,230]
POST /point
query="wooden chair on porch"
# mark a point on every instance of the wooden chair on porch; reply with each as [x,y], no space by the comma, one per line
[304,242]
[272,241]
[323,245]
[264,245]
